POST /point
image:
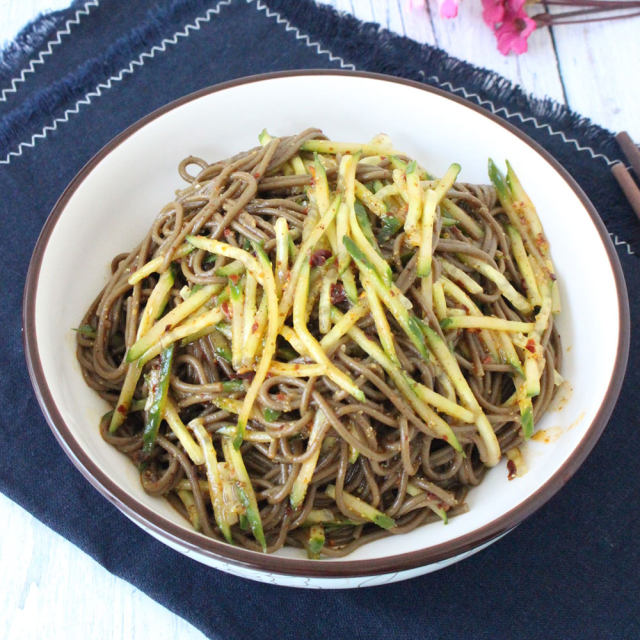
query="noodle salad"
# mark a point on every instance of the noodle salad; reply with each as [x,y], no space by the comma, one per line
[320,343]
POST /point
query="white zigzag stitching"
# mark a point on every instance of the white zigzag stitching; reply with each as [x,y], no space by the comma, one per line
[619,242]
[85,11]
[347,65]
[301,36]
[520,117]
[129,69]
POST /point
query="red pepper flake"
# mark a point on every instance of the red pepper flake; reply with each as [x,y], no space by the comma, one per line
[511,468]
[487,359]
[254,327]
[319,257]
[226,309]
[228,233]
[234,278]
[122,409]
[281,396]
[338,293]
[256,175]
[553,276]
[531,345]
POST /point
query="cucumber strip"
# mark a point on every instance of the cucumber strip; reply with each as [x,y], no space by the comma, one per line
[531,374]
[321,185]
[364,223]
[245,490]
[332,148]
[526,416]
[264,137]
[202,322]
[522,260]
[439,300]
[405,385]
[368,249]
[249,311]
[311,345]
[159,386]
[213,477]
[342,326]
[176,315]
[452,369]
[415,204]
[413,491]
[262,270]
[126,397]
[257,329]
[463,218]
[346,177]
[233,268]
[324,304]
[317,516]
[304,253]
[156,302]
[380,319]
[400,183]
[301,483]
[249,436]
[362,509]
[298,166]
[296,369]
[369,200]
[281,229]
[443,404]
[462,277]
[316,541]
[431,201]
[391,296]
[390,225]
[485,322]
[458,295]
[153,265]
[505,287]
[508,352]
[190,506]
[292,338]
[194,451]
[523,217]
[237,321]
[271,415]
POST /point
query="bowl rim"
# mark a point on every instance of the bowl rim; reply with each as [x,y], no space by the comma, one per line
[215,551]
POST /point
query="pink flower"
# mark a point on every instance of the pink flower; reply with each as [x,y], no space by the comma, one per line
[492,11]
[510,23]
[448,8]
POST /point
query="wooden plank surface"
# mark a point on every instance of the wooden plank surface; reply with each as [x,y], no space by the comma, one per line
[594,68]
[53,591]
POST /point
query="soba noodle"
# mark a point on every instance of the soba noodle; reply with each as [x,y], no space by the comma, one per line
[386,335]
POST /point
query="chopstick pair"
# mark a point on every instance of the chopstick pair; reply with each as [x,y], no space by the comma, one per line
[626,182]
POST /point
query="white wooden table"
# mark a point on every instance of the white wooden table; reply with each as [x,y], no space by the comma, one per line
[592,68]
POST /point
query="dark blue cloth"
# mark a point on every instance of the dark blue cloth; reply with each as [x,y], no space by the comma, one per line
[569,571]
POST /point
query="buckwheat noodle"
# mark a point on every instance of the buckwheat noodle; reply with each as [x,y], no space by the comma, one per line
[380,451]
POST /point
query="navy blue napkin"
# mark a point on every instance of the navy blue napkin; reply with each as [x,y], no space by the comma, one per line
[73,80]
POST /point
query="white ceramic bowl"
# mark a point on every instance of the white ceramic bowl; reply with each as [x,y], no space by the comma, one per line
[112,201]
